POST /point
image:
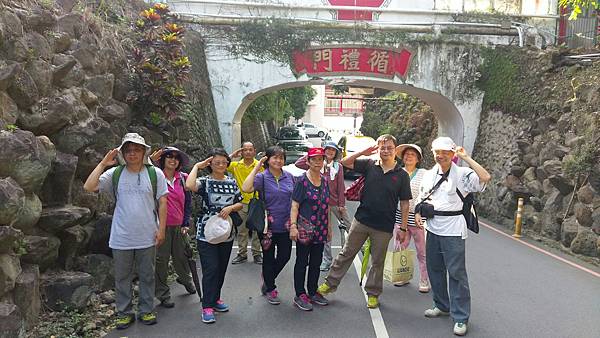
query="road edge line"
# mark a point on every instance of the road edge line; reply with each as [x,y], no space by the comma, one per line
[573,264]
[376,317]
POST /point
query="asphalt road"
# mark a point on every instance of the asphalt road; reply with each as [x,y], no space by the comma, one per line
[516,291]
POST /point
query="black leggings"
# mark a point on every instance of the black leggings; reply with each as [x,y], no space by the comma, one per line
[309,255]
[274,262]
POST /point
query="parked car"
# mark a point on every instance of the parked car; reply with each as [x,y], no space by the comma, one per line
[311,129]
[290,133]
[351,144]
[294,149]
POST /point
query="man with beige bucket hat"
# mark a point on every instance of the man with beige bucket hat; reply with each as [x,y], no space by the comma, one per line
[138,224]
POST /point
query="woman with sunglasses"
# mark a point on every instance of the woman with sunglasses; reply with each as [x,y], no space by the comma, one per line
[220,196]
[179,209]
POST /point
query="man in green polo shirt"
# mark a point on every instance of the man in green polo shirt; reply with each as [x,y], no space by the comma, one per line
[240,170]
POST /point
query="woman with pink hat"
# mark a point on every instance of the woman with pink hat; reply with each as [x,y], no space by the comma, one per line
[310,228]
[411,156]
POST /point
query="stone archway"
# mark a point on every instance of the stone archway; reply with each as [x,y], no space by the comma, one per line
[450,121]
[441,74]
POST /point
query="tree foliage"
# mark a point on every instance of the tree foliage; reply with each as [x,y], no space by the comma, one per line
[280,105]
[159,63]
[578,6]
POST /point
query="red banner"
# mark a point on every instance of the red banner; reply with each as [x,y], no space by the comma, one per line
[352,60]
[352,14]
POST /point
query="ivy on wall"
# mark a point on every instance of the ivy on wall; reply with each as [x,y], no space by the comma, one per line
[275,39]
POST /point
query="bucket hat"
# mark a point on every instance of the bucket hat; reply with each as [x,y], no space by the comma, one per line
[184,159]
[401,148]
[217,229]
[137,139]
[443,143]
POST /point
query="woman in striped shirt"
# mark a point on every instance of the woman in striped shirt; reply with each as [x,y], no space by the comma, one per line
[411,155]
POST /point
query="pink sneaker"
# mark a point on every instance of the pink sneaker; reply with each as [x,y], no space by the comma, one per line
[221,306]
[208,315]
[273,297]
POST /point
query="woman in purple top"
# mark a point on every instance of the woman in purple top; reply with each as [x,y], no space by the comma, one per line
[277,186]
[310,228]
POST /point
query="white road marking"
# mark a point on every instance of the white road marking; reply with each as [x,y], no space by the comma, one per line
[376,317]
[293,247]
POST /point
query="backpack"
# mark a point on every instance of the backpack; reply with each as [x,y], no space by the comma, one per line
[117,175]
[469,212]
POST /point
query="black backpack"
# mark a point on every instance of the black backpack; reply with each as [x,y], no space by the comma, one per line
[469,212]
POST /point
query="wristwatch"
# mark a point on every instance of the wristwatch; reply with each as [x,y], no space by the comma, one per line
[402,229]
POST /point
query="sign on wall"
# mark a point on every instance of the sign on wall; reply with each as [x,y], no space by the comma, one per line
[352,60]
[360,15]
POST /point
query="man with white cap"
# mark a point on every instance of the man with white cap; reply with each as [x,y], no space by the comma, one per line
[138,224]
[446,234]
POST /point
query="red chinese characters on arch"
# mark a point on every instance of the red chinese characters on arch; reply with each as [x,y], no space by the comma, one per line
[352,60]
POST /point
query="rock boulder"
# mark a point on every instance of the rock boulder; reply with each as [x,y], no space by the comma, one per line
[100,267]
[585,243]
[26,158]
[10,269]
[12,324]
[29,214]
[42,251]
[27,294]
[67,289]
[12,199]
[56,219]
[57,186]
[8,239]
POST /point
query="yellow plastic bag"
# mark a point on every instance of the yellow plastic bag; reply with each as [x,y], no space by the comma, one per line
[399,266]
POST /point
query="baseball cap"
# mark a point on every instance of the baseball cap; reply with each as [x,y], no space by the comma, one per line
[443,143]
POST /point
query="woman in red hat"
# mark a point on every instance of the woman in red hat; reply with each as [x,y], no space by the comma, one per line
[310,229]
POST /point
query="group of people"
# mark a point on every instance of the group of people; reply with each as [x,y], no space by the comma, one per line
[153,209]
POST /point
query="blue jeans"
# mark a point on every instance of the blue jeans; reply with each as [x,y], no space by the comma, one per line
[446,261]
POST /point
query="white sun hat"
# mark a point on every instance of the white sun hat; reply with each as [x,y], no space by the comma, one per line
[217,229]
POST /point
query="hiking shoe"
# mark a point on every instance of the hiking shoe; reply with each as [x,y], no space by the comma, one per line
[372,302]
[424,286]
[460,329]
[239,259]
[303,302]
[319,299]
[148,318]
[189,287]
[324,289]
[401,283]
[273,297]
[221,306]
[258,259]
[435,312]
[325,267]
[167,303]
[124,321]
[208,316]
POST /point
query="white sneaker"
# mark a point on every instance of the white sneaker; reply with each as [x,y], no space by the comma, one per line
[424,286]
[435,312]
[402,283]
[460,329]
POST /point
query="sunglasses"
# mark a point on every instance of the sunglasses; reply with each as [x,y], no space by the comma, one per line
[172,155]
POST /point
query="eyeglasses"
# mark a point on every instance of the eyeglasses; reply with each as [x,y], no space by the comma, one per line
[218,163]
[171,155]
[133,150]
[387,149]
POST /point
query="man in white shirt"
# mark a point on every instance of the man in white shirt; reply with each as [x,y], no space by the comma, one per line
[445,245]
[138,224]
